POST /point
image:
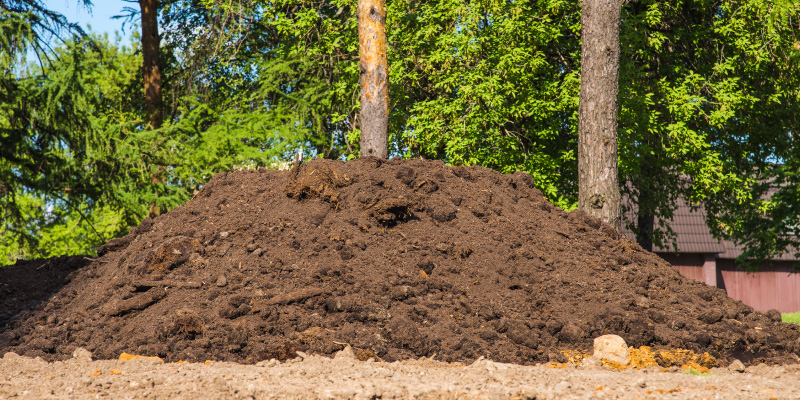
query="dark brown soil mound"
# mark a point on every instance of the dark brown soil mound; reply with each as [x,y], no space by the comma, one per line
[398,259]
[29,282]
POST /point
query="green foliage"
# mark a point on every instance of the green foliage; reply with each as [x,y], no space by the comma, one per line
[56,153]
[679,93]
[28,26]
[493,83]
[708,104]
[792,318]
[284,71]
[743,122]
[498,86]
[708,98]
[77,161]
[52,228]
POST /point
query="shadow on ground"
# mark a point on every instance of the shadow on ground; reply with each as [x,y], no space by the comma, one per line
[29,282]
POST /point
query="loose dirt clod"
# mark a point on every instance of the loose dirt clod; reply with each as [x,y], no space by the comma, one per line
[397,259]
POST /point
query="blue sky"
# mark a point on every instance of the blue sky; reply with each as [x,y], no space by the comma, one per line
[99,18]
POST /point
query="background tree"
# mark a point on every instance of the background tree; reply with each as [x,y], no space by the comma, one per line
[150,60]
[490,83]
[706,90]
[374,81]
[284,71]
[56,163]
[707,96]
[598,187]
[27,25]
[151,71]
[33,130]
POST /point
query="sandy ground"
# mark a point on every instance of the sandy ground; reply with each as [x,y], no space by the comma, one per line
[317,377]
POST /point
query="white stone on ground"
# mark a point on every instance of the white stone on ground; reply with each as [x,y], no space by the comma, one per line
[82,354]
[612,348]
[736,366]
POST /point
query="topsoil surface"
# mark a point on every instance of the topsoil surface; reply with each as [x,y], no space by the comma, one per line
[400,259]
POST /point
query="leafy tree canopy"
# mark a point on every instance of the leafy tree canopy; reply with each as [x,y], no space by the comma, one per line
[708,95]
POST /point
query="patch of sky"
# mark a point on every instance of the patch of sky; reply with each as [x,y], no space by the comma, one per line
[97,18]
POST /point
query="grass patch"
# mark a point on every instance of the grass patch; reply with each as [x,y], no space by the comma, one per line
[696,372]
[792,318]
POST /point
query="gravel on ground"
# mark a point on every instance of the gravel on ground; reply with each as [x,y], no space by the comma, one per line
[317,377]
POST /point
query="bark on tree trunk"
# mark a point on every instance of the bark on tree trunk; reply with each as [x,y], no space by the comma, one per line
[152,78]
[150,55]
[374,78]
[598,188]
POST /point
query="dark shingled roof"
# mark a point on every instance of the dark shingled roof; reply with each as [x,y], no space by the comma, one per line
[693,235]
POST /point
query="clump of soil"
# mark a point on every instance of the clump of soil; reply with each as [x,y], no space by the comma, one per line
[400,259]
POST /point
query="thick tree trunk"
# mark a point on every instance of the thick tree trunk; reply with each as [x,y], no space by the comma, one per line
[152,72]
[374,78]
[598,188]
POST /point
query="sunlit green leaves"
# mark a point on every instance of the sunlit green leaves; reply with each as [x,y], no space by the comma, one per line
[706,90]
[498,86]
[708,100]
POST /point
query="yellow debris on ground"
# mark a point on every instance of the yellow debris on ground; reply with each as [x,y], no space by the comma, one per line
[128,357]
[645,357]
[558,365]
[574,356]
[642,357]
[680,357]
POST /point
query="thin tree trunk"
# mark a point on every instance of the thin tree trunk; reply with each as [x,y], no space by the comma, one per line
[374,119]
[598,188]
[152,78]
[645,225]
[647,189]
[152,72]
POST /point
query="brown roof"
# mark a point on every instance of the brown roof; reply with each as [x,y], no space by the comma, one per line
[693,235]
[733,251]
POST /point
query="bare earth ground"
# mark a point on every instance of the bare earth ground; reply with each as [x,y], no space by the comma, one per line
[320,377]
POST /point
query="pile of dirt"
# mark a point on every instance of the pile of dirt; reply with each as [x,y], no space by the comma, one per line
[29,282]
[400,259]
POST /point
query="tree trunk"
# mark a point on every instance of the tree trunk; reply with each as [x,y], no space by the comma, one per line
[648,186]
[645,225]
[150,55]
[598,188]
[374,78]
[152,78]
